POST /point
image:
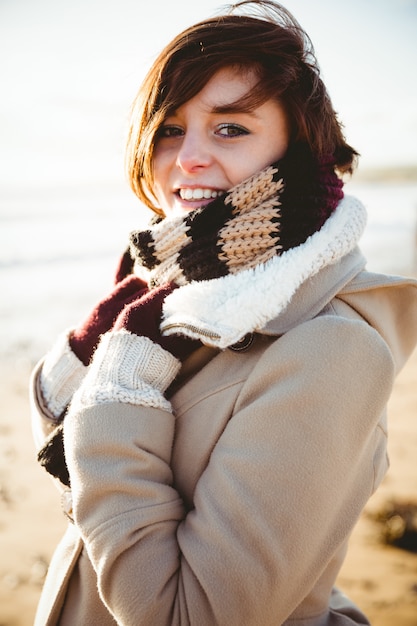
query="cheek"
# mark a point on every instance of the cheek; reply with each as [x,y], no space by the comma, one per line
[278,142]
[160,195]
[257,158]
[160,172]
[157,167]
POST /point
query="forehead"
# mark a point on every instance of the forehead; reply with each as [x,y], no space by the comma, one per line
[228,86]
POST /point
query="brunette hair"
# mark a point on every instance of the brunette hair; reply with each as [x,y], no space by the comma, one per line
[254,34]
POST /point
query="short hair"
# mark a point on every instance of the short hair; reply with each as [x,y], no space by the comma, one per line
[254,34]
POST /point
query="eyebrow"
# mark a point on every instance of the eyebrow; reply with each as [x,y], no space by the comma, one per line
[233,107]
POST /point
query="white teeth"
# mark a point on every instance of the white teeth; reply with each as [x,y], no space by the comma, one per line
[198,194]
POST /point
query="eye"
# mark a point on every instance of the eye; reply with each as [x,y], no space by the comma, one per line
[232,130]
[170,131]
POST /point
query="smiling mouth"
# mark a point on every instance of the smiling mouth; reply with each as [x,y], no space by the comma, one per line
[199,193]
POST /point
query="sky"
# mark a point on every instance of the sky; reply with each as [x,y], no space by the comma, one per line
[69,70]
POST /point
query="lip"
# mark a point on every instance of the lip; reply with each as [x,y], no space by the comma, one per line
[191,203]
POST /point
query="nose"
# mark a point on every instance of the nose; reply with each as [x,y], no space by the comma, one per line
[194,152]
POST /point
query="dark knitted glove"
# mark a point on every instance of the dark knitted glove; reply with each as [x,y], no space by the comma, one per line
[83,342]
[125,267]
[143,317]
[52,457]
[84,339]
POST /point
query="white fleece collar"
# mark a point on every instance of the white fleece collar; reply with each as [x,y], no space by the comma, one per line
[223,310]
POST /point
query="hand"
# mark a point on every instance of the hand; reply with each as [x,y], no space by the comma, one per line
[143,317]
[84,339]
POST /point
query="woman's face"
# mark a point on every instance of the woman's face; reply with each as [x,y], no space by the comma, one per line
[208,145]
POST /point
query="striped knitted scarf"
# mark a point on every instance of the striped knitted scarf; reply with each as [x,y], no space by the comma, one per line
[276,209]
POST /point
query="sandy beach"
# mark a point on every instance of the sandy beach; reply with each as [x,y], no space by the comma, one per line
[381,578]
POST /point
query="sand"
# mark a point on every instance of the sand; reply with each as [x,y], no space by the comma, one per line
[381,578]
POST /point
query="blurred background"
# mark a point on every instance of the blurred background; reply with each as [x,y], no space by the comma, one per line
[69,70]
[68,73]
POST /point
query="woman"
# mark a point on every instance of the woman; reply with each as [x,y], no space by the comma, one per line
[219,419]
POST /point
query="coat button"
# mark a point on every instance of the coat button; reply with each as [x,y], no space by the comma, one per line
[243,344]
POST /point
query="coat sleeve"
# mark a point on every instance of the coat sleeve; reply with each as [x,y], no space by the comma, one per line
[284,486]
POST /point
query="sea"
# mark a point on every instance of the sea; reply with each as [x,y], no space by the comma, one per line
[59,248]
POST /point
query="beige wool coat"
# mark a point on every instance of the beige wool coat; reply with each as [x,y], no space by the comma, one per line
[232,503]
